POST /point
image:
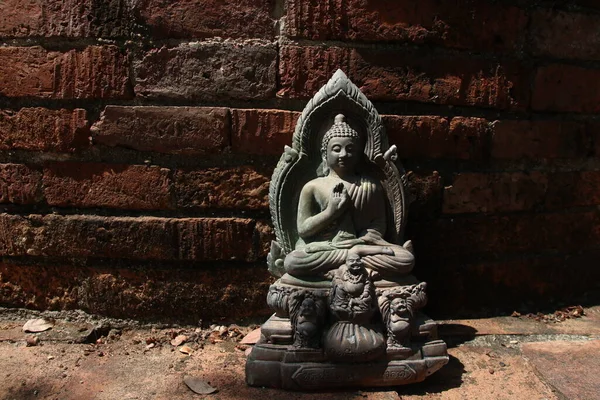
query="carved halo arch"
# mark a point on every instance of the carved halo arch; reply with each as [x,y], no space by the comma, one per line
[302,162]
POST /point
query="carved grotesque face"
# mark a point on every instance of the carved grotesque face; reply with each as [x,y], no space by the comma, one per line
[399,307]
[308,308]
[354,263]
[343,154]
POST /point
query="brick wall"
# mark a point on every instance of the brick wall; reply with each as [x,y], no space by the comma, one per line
[137,140]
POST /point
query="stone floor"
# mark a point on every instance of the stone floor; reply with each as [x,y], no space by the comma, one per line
[521,357]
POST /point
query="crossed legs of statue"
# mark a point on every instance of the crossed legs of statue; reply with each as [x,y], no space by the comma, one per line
[391,260]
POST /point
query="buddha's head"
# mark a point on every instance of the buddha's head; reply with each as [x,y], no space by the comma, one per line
[341,147]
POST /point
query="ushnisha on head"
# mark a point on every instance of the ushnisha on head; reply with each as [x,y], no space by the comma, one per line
[341,147]
[339,129]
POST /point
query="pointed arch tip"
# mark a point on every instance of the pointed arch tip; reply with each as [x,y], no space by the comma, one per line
[339,80]
[339,74]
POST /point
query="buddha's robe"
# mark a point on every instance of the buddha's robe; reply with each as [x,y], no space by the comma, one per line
[362,223]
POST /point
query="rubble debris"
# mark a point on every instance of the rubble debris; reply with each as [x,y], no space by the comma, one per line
[32,340]
[38,325]
[198,385]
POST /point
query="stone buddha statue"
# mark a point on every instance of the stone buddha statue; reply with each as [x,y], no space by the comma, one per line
[343,211]
[347,308]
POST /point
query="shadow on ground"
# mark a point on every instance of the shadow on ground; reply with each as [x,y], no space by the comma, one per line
[448,377]
[22,391]
[456,334]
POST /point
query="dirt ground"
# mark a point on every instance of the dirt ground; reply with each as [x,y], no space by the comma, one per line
[86,358]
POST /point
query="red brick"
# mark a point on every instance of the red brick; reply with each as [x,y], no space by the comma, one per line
[473,131]
[175,130]
[142,238]
[573,189]
[236,188]
[411,75]
[208,18]
[565,34]
[539,139]
[460,289]
[67,18]
[244,187]
[593,128]
[437,137]
[473,24]
[41,129]
[265,233]
[20,184]
[174,294]
[424,191]
[501,235]
[245,70]
[262,132]
[566,88]
[97,72]
[135,187]
[489,193]
[581,3]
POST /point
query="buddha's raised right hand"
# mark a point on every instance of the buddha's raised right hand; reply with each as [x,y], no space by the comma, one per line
[338,199]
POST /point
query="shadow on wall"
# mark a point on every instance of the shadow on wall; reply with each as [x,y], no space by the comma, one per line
[496,288]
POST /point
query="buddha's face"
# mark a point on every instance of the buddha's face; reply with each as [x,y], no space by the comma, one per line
[343,154]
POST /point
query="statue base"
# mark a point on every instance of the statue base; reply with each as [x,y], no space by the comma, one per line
[285,367]
[277,364]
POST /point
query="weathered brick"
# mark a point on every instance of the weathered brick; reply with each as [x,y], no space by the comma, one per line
[265,233]
[437,137]
[175,130]
[42,129]
[135,187]
[565,34]
[573,189]
[593,128]
[174,294]
[263,132]
[143,238]
[411,75]
[528,284]
[473,131]
[581,3]
[67,18]
[489,193]
[539,139]
[500,235]
[566,88]
[236,188]
[20,184]
[208,18]
[473,24]
[97,72]
[424,191]
[245,70]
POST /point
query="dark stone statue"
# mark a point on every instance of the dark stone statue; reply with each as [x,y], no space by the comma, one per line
[347,309]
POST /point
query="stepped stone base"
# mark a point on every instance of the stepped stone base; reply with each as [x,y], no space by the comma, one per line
[285,367]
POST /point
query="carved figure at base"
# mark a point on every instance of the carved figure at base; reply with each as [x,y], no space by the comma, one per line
[352,302]
[346,307]
[398,307]
[307,316]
